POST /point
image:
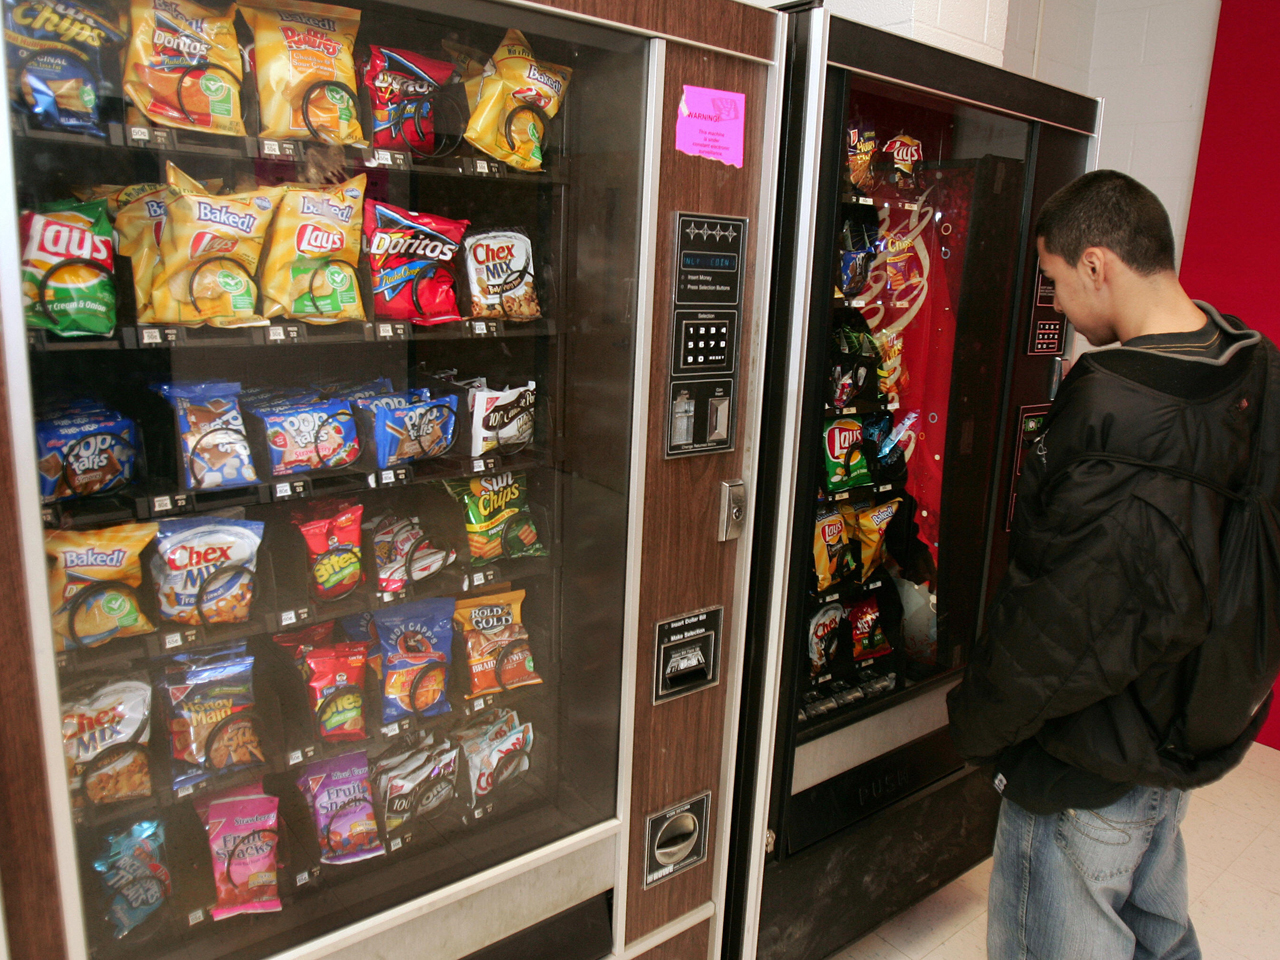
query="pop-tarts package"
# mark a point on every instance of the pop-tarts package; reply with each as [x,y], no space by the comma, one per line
[416,641]
[215,450]
[413,427]
[81,454]
[318,435]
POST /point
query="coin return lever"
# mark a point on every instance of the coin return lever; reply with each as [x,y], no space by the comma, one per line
[677,839]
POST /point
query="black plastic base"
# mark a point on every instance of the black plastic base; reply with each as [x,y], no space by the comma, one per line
[584,932]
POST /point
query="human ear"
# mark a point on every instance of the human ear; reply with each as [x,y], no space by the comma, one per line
[1093,266]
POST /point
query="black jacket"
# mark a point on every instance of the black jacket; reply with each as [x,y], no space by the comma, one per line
[1090,642]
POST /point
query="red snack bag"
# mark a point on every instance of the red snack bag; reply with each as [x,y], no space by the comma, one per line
[301,642]
[333,547]
[336,679]
[400,86]
[411,257]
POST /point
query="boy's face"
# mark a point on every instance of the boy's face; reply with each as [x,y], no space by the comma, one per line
[1079,295]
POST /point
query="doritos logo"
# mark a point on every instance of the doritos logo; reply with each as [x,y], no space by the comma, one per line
[313,239]
[207,243]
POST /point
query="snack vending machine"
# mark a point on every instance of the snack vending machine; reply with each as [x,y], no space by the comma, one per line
[907,332]
[381,399]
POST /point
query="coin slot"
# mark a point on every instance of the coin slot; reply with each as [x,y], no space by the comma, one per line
[676,839]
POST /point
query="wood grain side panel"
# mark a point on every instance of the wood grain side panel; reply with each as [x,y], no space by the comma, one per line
[693,944]
[678,748]
[726,24]
[30,875]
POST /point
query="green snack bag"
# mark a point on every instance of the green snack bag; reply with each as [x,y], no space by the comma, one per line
[499,523]
[846,465]
[68,284]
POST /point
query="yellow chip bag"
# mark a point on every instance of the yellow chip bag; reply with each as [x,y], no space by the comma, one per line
[516,101]
[310,269]
[867,526]
[471,64]
[210,247]
[183,67]
[138,228]
[94,576]
[306,70]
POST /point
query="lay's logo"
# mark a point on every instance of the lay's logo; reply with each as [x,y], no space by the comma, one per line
[832,529]
[905,149]
[841,436]
[207,243]
[313,239]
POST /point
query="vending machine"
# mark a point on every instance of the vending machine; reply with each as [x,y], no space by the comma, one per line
[911,348]
[381,397]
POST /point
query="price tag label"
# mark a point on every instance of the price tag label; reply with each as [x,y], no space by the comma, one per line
[150,335]
[482,166]
[884,488]
[283,490]
[194,917]
[161,504]
[391,729]
[185,791]
[270,148]
[295,758]
[140,133]
[172,640]
[479,327]
[301,878]
[288,617]
[384,331]
[382,156]
[395,844]
[859,303]
[388,477]
[477,466]
[275,333]
[867,200]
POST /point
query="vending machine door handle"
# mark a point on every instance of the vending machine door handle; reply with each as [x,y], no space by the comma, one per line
[733,509]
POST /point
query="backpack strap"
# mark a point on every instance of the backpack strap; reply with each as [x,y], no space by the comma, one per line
[1159,468]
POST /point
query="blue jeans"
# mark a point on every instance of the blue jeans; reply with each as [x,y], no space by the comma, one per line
[1099,884]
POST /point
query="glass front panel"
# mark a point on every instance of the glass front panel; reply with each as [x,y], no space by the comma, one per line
[331,322]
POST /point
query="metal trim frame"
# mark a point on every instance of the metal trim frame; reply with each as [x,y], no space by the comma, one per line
[676,927]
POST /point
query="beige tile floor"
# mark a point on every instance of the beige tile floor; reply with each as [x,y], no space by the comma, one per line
[1232,833]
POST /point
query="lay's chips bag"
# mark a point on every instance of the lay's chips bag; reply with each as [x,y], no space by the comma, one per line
[183,68]
[138,227]
[516,101]
[303,57]
[94,576]
[310,271]
[67,262]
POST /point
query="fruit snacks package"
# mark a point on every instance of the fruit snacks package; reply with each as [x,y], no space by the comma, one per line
[244,843]
[866,526]
[411,259]
[302,55]
[864,622]
[333,549]
[68,262]
[416,785]
[83,454]
[94,576]
[499,524]
[212,727]
[500,275]
[401,85]
[54,51]
[861,147]
[105,731]
[335,679]
[215,450]
[415,643]
[497,748]
[204,569]
[844,456]
[310,269]
[210,248]
[183,67]
[298,643]
[830,548]
[516,102]
[418,430]
[404,554]
[318,435]
[502,420]
[134,872]
[499,656]
[824,640]
[338,792]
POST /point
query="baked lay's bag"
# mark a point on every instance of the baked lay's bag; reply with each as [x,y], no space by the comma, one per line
[471,65]
[68,284]
[94,576]
[310,270]
[138,228]
[210,248]
[302,54]
[516,101]
[183,67]
[866,526]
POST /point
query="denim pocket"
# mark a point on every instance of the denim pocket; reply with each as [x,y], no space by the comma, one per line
[1101,846]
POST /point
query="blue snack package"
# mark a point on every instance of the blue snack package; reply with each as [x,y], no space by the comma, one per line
[318,435]
[54,49]
[415,643]
[85,452]
[354,390]
[133,871]
[204,568]
[419,430]
[215,450]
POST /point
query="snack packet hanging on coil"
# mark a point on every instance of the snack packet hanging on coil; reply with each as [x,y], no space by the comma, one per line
[204,569]
[830,548]
[866,526]
[212,727]
[134,872]
[333,549]
[498,520]
[404,554]
[497,748]
[244,842]
[139,225]
[94,577]
[335,680]
[68,263]
[415,643]
[868,635]
[861,148]
[306,73]
[500,275]
[84,454]
[418,430]
[412,260]
[298,643]
[312,436]
[105,731]
[516,101]
[418,786]
[824,640]
[842,449]
[338,792]
[401,84]
[215,450]
[184,68]
[499,655]
[54,51]
[502,420]
[310,269]
[471,65]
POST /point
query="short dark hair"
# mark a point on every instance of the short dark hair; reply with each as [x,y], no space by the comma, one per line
[1109,209]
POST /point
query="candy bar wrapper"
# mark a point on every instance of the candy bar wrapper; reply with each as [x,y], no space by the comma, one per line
[244,843]
[134,872]
[338,792]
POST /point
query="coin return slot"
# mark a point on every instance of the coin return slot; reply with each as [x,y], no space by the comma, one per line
[676,839]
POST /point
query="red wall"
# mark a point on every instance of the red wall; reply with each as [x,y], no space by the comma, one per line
[1232,253]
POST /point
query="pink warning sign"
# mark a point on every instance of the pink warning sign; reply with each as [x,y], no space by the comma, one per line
[712,124]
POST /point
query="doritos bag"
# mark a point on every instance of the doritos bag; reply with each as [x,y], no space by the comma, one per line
[400,85]
[94,576]
[412,259]
[184,69]
[306,73]
[516,101]
[310,271]
[54,51]
[67,261]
